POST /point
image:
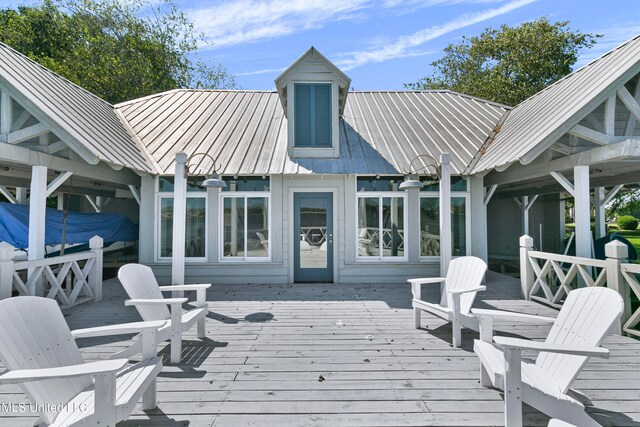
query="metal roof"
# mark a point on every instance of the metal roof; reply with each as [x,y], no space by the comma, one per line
[246,131]
[536,123]
[82,120]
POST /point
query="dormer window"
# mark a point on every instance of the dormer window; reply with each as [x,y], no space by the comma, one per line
[312,115]
[313,94]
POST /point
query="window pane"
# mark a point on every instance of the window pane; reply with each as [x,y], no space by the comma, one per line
[393,226]
[303,121]
[195,237]
[195,228]
[258,227]
[458,225]
[322,115]
[458,183]
[368,226]
[233,227]
[429,226]
[166,226]
[246,183]
[384,183]
[165,183]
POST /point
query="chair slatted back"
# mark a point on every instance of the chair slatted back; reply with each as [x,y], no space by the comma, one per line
[584,320]
[140,283]
[34,334]
[465,272]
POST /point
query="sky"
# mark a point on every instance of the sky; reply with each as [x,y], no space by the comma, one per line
[379,44]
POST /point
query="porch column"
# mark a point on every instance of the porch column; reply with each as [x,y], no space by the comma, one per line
[598,203]
[445,212]
[478,218]
[179,221]
[582,211]
[37,213]
[21,195]
[563,212]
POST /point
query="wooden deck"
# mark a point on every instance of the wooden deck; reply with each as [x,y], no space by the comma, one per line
[310,354]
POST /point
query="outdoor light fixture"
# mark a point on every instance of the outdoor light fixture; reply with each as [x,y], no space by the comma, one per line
[214,180]
[412,176]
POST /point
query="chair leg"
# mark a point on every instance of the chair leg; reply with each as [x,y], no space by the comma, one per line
[202,332]
[416,317]
[176,346]
[513,388]
[149,397]
[457,333]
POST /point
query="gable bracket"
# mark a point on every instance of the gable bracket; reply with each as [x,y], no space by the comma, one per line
[562,180]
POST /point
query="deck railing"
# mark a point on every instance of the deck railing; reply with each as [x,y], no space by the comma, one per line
[548,277]
[71,279]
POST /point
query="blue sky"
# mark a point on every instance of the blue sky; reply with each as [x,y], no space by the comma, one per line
[379,44]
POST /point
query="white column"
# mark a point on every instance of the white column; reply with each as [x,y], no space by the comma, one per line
[37,212]
[60,195]
[598,203]
[21,195]
[445,212]
[525,215]
[234,221]
[394,221]
[179,220]
[412,244]
[563,226]
[478,218]
[583,210]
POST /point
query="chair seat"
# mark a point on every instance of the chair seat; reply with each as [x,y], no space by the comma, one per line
[130,385]
[493,360]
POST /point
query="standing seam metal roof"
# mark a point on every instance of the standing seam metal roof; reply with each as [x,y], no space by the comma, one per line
[90,121]
[246,131]
[536,123]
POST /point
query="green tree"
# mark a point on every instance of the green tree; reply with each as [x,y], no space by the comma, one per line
[118,50]
[510,64]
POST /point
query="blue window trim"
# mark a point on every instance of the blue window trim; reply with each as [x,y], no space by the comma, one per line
[313,143]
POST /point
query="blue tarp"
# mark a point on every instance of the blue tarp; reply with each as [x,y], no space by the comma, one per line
[14,226]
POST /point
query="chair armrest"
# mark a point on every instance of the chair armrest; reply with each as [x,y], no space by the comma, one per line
[84,369]
[155,301]
[465,291]
[426,280]
[184,287]
[124,328]
[510,315]
[518,343]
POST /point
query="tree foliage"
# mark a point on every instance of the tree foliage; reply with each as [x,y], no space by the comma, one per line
[116,49]
[510,64]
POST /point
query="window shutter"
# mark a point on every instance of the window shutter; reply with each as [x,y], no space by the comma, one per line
[302,117]
[323,115]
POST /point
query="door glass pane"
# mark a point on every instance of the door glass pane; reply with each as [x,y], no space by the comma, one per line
[392,226]
[234,227]
[257,226]
[368,226]
[313,232]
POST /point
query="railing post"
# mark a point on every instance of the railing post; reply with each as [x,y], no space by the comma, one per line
[6,270]
[95,244]
[617,253]
[526,271]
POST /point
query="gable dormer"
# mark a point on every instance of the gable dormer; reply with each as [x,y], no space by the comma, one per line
[313,93]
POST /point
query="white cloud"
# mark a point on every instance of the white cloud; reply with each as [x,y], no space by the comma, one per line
[234,22]
[263,71]
[612,37]
[404,45]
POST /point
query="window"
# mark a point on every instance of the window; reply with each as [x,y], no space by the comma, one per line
[381,217]
[196,230]
[312,115]
[430,225]
[245,219]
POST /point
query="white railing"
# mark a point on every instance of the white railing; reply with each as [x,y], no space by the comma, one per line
[550,277]
[629,272]
[71,279]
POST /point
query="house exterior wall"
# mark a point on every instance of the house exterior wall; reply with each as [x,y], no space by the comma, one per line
[347,267]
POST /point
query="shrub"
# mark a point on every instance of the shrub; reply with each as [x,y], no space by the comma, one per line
[627,222]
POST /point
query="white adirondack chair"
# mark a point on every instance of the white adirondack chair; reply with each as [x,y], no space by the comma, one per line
[40,353]
[458,289]
[141,286]
[587,315]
